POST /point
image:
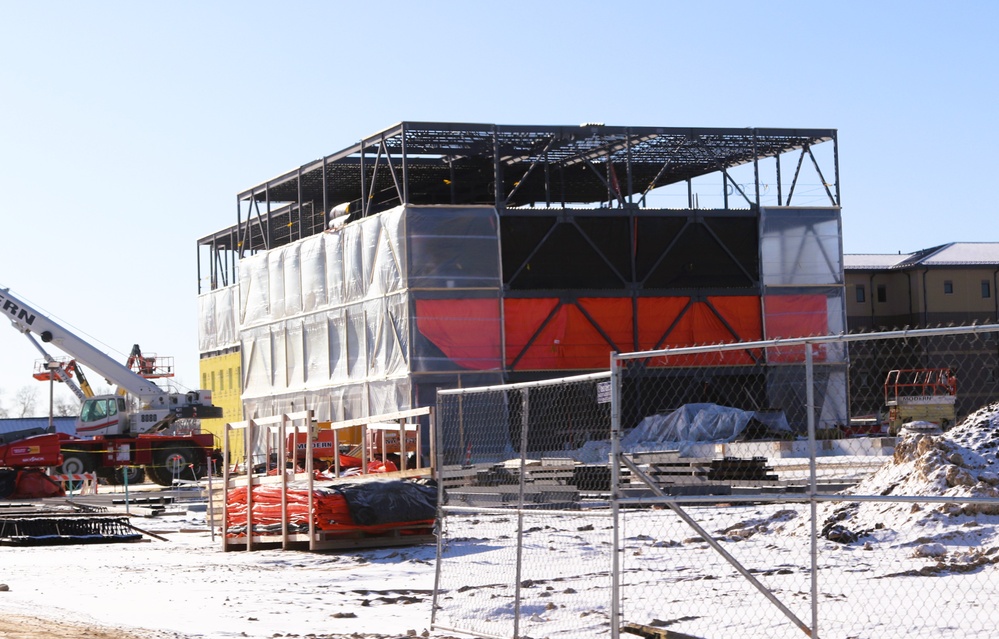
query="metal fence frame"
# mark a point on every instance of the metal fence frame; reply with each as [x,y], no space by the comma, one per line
[812,496]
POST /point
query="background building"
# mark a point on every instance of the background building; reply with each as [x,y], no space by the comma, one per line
[436,255]
[948,285]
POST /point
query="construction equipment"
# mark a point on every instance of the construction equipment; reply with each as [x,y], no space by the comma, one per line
[920,395]
[141,425]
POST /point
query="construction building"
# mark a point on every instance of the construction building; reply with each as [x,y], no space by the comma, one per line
[434,255]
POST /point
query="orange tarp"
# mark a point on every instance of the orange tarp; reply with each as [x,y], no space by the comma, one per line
[547,334]
[569,339]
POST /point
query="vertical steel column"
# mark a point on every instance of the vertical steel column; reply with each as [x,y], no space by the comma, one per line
[627,146]
[548,185]
[298,195]
[756,169]
[239,225]
[405,168]
[267,221]
[198,258]
[780,190]
[326,204]
[497,171]
[450,171]
[836,166]
[233,257]
[561,179]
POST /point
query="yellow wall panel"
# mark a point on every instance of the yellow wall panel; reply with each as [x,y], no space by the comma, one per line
[223,376]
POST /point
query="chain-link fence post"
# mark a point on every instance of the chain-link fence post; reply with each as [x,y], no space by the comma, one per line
[615,488]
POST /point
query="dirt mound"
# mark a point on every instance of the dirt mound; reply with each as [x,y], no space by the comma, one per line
[958,464]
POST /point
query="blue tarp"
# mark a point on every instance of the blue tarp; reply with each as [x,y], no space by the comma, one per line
[700,423]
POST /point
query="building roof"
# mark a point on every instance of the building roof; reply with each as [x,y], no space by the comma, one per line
[872,261]
[16,424]
[964,253]
[953,254]
[437,153]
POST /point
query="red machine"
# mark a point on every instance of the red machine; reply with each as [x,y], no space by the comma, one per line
[140,430]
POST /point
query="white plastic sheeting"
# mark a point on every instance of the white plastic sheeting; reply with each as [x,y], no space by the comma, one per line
[326,321]
[802,270]
[329,310]
[801,247]
[217,315]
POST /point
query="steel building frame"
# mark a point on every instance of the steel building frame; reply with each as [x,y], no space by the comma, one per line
[516,168]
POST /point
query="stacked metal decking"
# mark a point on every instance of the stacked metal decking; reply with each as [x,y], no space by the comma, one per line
[28,526]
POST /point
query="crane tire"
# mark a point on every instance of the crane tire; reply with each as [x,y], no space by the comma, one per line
[8,482]
[174,462]
[75,464]
[136,475]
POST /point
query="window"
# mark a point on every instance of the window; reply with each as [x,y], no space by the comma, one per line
[230,379]
[986,289]
[948,287]
[861,294]
[882,293]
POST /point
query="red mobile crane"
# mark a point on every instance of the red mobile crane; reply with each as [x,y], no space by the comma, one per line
[141,425]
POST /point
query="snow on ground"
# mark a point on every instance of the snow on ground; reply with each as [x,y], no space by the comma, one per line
[903,569]
[908,569]
[189,587]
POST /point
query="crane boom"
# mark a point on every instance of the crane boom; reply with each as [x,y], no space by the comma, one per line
[140,407]
[27,320]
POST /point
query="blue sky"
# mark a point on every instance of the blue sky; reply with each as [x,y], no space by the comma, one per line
[127,128]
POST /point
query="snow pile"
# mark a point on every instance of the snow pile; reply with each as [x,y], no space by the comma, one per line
[958,464]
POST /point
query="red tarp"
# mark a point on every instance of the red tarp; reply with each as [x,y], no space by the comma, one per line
[796,316]
[466,330]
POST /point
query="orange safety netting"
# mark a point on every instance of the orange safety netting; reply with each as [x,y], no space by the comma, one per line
[329,510]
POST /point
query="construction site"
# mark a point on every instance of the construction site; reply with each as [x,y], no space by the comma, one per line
[441,255]
[405,342]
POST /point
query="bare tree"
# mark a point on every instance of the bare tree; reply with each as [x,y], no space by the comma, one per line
[25,400]
[66,407]
[3,411]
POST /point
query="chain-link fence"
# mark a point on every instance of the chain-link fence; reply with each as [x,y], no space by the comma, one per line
[836,486]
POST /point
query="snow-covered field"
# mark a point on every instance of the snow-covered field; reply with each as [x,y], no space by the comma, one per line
[908,569]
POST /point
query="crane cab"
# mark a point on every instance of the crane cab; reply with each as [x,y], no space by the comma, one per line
[103,415]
